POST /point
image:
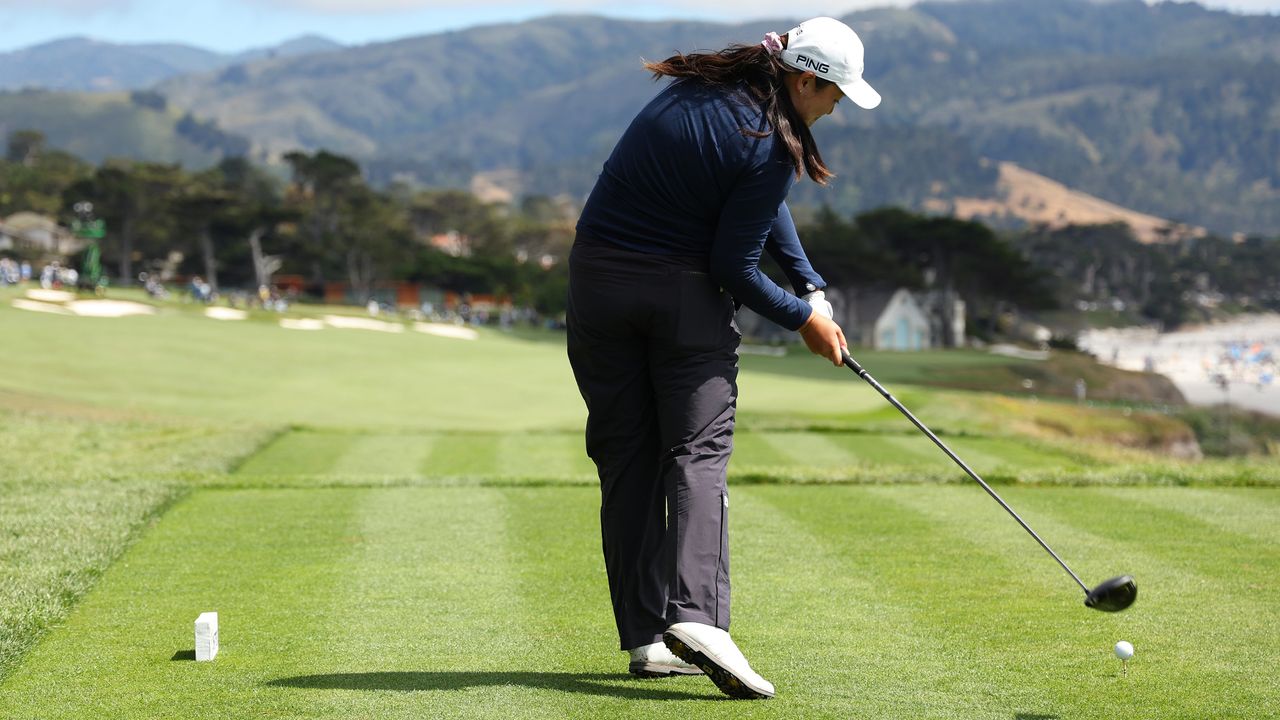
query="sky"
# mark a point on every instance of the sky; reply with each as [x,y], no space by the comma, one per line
[234,25]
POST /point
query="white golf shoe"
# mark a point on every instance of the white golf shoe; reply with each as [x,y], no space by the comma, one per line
[656,660]
[711,649]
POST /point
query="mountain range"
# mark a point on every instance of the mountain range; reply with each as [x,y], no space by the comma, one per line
[83,64]
[1171,110]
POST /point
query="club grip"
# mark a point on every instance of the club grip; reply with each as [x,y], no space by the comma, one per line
[850,362]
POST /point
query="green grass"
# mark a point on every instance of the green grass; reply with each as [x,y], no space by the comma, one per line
[406,526]
[335,457]
[79,485]
[914,601]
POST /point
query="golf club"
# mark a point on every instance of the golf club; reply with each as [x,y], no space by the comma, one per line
[1113,595]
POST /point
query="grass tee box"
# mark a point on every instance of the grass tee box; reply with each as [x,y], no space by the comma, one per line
[489,602]
[317,456]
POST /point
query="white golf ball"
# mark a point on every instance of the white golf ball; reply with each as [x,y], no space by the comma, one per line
[1124,650]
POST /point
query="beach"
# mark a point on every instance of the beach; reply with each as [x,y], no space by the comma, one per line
[1233,361]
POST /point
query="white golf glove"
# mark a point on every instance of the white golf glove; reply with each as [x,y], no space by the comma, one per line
[818,301]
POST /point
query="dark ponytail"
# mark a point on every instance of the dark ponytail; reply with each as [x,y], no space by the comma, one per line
[762,73]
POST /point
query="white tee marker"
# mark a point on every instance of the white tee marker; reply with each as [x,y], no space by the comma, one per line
[207,636]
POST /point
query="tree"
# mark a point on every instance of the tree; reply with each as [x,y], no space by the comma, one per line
[320,184]
[33,178]
[373,238]
[892,247]
[197,205]
[25,147]
[485,225]
[346,226]
[252,214]
[133,199]
[846,254]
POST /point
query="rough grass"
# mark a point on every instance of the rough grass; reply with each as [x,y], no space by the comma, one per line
[77,489]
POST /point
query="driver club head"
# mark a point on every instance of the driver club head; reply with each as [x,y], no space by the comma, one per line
[1113,595]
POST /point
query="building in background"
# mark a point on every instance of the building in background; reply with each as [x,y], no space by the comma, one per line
[880,319]
[33,233]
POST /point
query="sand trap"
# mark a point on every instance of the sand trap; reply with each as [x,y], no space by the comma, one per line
[222,313]
[301,324]
[109,308]
[449,331]
[357,323]
[43,307]
[66,304]
[51,296]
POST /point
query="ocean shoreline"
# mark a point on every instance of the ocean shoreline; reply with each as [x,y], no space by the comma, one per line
[1232,361]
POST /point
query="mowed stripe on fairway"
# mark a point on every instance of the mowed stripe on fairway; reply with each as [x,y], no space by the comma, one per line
[422,456]
[572,640]
[859,601]
[1182,597]
[426,619]
[557,455]
[387,455]
[389,603]
[269,562]
[814,622]
[462,454]
[299,453]
[1252,512]
[561,456]
[809,449]
[949,600]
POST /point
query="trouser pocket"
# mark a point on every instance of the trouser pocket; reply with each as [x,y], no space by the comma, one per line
[705,315]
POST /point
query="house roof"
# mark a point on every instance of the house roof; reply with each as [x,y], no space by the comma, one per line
[27,221]
[868,304]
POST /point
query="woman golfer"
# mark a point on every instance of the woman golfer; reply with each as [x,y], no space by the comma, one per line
[669,240]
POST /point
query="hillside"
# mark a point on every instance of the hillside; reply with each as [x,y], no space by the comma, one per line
[83,64]
[1026,197]
[1170,110]
[120,125]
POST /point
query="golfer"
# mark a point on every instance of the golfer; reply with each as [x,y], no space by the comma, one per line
[668,244]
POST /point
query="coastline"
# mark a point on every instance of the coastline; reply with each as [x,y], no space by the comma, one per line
[1234,361]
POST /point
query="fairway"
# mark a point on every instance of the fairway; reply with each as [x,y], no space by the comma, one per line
[406,526]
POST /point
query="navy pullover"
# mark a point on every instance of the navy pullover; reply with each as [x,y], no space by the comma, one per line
[685,180]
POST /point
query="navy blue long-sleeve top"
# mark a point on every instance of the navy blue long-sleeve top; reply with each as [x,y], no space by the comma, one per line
[685,180]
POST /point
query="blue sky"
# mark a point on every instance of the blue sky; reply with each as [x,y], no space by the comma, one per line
[232,25]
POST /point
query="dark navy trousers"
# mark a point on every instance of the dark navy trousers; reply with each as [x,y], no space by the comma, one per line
[654,350]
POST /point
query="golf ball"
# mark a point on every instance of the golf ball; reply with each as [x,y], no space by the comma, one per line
[1124,650]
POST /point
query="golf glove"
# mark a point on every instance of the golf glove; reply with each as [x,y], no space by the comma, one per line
[820,304]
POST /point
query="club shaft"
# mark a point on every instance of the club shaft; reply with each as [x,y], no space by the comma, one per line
[862,373]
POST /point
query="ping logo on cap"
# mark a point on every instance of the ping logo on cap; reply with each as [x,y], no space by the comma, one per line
[813,65]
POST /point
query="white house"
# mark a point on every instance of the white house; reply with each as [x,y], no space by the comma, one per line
[40,233]
[878,319]
[882,319]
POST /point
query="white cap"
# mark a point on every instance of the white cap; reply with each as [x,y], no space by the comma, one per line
[832,51]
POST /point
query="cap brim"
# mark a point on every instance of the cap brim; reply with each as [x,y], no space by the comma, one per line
[861,93]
